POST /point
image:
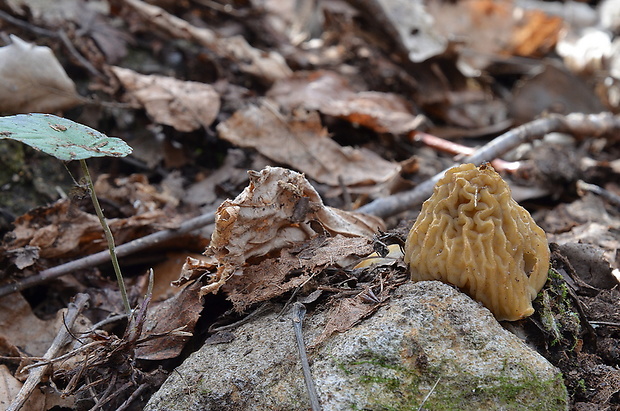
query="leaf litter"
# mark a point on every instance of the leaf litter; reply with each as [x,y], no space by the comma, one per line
[205,92]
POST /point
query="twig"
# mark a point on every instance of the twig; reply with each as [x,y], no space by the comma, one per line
[104,256]
[612,198]
[455,148]
[62,338]
[429,393]
[125,405]
[85,63]
[25,25]
[576,123]
[299,311]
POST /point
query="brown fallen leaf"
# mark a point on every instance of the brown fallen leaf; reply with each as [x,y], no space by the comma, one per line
[10,386]
[277,210]
[178,312]
[184,105]
[345,314]
[33,339]
[330,93]
[537,34]
[267,65]
[33,80]
[293,267]
[301,142]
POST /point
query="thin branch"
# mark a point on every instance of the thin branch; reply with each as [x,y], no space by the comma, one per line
[104,256]
[299,311]
[62,338]
[577,123]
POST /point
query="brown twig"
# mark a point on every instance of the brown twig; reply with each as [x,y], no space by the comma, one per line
[62,338]
[576,123]
[455,148]
[104,256]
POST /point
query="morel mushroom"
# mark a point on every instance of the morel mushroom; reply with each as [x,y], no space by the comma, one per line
[471,233]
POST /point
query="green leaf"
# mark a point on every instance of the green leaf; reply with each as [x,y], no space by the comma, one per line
[60,137]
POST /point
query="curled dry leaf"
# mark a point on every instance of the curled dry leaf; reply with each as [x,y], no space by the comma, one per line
[330,94]
[278,209]
[33,80]
[184,105]
[302,142]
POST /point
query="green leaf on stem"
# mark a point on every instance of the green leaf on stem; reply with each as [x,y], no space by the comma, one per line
[60,137]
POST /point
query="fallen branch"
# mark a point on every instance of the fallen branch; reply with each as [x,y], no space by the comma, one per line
[62,338]
[104,256]
[578,124]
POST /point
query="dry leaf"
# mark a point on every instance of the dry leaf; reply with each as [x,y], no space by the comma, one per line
[330,94]
[302,143]
[64,231]
[273,277]
[10,386]
[267,65]
[277,210]
[184,105]
[178,312]
[33,80]
[537,35]
[33,339]
[345,314]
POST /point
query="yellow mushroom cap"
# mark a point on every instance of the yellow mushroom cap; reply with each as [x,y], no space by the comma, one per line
[471,233]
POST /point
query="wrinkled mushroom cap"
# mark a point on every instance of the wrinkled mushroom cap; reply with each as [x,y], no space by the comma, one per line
[471,233]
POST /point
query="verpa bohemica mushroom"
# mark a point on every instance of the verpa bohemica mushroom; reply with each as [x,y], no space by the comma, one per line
[471,233]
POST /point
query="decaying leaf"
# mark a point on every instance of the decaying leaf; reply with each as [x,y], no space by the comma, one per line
[63,230]
[277,210]
[302,143]
[10,386]
[33,339]
[346,313]
[292,268]
[178,312]
[184,105]
[268,65]
[331,94]
[33,80]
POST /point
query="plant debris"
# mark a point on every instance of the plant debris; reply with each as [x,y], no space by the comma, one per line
[275,148]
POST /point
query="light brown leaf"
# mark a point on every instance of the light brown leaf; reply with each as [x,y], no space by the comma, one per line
[330,94]
[33,80]
[184,105]
[267,65]
[302,143]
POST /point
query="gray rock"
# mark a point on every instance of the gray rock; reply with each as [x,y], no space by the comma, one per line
[428,333]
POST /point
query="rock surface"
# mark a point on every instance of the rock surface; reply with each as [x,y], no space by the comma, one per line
[427,334]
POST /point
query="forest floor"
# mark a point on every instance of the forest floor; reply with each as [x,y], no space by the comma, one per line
[363,98]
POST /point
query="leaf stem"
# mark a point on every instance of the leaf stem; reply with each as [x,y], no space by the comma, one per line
[108,236]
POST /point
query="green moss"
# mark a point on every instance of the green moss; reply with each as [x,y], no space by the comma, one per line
[557,312]
[390,386]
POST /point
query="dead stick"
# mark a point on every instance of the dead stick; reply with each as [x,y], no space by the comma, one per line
[583,124]
[299,311]
[104,256]
[62,338]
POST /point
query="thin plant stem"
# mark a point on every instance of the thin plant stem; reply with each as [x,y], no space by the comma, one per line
[108,236]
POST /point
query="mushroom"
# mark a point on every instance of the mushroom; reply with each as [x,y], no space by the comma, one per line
[471,233]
